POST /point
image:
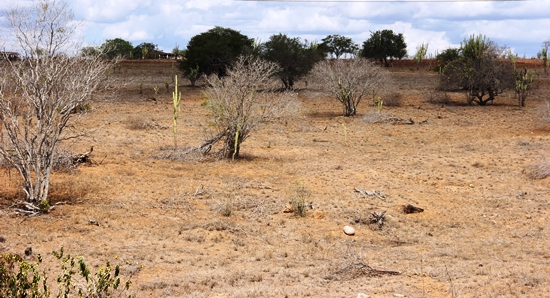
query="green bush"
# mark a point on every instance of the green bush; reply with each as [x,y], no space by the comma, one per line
[21,278]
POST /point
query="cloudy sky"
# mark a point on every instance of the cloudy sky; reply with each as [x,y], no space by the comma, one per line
[520,25]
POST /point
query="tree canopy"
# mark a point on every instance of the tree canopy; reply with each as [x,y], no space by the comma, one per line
[212,52]
[337,46]
[295,57]
[383,45]
[117,48]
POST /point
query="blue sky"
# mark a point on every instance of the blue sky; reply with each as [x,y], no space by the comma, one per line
[520,25]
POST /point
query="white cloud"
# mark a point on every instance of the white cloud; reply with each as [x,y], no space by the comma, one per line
[522,25]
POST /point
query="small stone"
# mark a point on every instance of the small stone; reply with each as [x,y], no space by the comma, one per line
[349,231]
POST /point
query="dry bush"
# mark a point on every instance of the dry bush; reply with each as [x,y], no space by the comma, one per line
[438,97]
[40,94]
[391,98]
[246,97]
[349,81]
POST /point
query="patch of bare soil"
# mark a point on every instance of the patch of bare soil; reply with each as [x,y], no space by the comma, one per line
[218,228]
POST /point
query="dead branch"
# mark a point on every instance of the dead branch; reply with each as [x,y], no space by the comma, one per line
[82,158]
[408,209]
[374,193]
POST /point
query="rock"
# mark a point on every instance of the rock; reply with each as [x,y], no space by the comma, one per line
[349,231]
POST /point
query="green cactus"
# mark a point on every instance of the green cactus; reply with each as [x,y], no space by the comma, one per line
[176,96]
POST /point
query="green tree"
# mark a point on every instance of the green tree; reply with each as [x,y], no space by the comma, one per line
[445,57]
[117,48]
[337,46]
[89,51]
[383,45]
[212,52]
[479,70]
[145,50]
[295,57]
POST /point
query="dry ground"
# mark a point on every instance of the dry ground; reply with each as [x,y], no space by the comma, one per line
[484,231]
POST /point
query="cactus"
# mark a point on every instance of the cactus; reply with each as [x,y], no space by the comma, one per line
[176,96]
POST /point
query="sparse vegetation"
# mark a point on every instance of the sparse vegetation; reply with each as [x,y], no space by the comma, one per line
[462,165]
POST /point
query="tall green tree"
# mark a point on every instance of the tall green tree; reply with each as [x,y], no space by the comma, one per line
[337,46]
[213,52]
[145,50]
[295,57]
[446,57]
[117,48]
[383,45]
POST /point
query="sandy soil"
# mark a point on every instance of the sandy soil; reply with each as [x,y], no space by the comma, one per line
[484,231]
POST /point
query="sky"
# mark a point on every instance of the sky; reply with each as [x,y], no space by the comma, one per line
[520,25]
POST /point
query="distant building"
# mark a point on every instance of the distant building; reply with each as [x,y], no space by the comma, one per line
[11,56]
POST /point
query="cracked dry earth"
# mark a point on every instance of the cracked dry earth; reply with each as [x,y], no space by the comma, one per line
[484,231]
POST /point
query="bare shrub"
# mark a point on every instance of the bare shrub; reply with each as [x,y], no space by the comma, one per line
[349,81]
[245,98]
[40,94]
[438,97]
[391,98]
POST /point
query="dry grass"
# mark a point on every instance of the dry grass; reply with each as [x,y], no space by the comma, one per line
[463,165]
[540,170]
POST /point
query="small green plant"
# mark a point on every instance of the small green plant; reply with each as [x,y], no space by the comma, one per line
[141,88]
[156,89]
[379,103]
[176,96]
[20,278]
[167,85]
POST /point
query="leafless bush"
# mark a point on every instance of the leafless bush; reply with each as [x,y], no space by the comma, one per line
[349,81]
[391,98]
[40,93]
[438,97]
[245,98]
